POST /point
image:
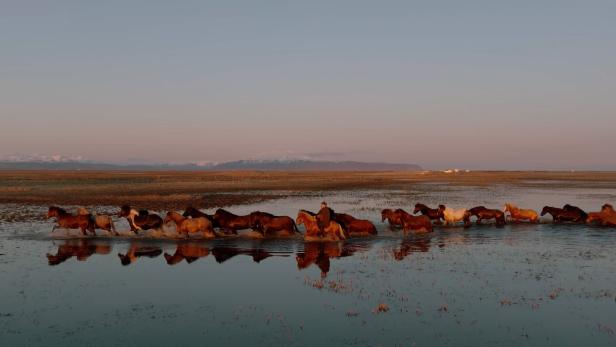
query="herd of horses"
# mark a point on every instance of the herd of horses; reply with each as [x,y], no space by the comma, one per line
[325,225]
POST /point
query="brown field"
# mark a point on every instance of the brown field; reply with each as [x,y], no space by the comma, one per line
[175,190]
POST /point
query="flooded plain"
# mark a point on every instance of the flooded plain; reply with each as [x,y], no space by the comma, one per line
[520,284]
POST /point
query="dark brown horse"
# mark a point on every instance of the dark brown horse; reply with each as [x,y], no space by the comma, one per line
[392,217]
[68,221]
[230,222]
[432,213]
[267,223]
[419,224]
[560,215]
[581,212]
[140,220]
[356,227]
[195,213]
[481,212]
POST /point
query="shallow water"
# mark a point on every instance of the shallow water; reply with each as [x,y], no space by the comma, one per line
[521,284]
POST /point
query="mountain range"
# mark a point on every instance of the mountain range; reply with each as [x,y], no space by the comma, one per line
[239,165]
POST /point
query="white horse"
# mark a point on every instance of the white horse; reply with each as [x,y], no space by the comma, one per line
[452,216]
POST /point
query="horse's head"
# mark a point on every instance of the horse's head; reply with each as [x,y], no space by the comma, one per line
[170,216]
[52,212]
[418,208]
[385,214]
[172,259]
[545,210]
[189,212]
[125,259]
[124,211]
[607,208]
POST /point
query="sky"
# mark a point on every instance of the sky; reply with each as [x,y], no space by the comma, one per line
[468,84]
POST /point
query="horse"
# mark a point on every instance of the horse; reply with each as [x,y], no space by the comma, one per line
[230,222]
[103,222]
[267,223]
[68,221]
[560,215]
[140,220]
[606,217]
[518,214]
[452,216]
[432,213]
[191,225]
[356,227]
[419,224]
[392,217]
[481,212]
[195,213]
[136,251]
[80,249]
[189,251]
[332,232]
[582,213]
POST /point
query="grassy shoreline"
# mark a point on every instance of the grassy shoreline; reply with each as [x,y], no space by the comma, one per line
[175,190]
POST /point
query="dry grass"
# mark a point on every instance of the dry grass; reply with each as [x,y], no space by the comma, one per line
[208,189]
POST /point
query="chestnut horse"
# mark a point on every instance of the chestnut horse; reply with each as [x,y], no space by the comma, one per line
[103,222]
[481,212]
[452,216]
[266,223]
[432,213]
[189,251]
[560,215]
[606,217]
[332,232]
[190,225]
[68,221]
[419,224]
[356,227]
[518,214]
[230,222]
[392,217]
[195,213]
[140,220]
[80,249]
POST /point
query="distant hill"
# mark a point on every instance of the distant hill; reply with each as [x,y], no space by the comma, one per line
[258,165]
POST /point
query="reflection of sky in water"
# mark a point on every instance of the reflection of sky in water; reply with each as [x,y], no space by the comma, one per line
[517,285]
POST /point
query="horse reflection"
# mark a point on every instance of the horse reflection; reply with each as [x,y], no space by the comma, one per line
[189,251]
[80,249]
[138,250]
[222,254]
[320,254]
[410,246]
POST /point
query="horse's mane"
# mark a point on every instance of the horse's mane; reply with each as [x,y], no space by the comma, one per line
[60,210]
[311,214]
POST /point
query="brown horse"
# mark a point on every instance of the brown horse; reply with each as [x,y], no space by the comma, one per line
[80,249]
[332,232]
[195,213]
[190,225]
[412,245]
[230,222]
[68,221]
[189,251]
[136,251]
[518,214]
[481,212]
[418,224]
[140,220]
[266,223]
[560,215]
[356,227]
[582,213]
[103,222]
[432,213]
[392,217]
